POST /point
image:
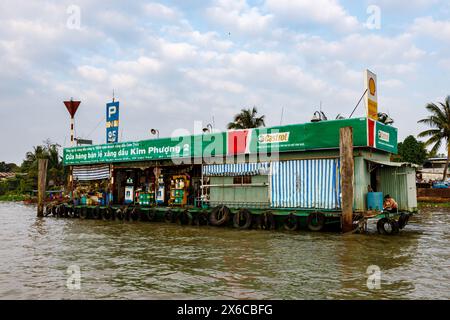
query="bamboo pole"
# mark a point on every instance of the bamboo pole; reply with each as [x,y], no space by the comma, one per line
[42,182]
[347,173]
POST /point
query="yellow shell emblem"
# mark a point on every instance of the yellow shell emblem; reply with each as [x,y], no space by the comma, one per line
[372,87]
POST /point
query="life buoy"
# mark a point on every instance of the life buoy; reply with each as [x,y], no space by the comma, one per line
[291,222]
[184,218]
[219,215]
[242,219]
[387,226]
[316,221]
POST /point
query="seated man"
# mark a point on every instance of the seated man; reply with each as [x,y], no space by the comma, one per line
[389,204]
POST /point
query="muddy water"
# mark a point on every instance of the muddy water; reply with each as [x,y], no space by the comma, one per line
[124,260]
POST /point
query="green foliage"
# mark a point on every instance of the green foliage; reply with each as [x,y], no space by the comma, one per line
[8,167]
[439,132]
[411,150]
[247,119]
[27,173]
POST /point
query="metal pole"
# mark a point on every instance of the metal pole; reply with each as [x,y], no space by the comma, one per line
[72,131]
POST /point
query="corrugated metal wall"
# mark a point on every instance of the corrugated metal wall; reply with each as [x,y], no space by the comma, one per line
[88,173]
[236,169]
[400,183]
[306,184]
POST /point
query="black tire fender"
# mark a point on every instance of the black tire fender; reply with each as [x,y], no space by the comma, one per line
[48,211]
[184,218]
[242,219]
[54,211]
[403,220]
[120,214]
[70,212]
[219,215]
[135,213]
[83,213]
[168,216]
[290,222]
[108,213]
[266,221]
[201,218]
[95,213]
[393,226]
[316,221]
[150,214]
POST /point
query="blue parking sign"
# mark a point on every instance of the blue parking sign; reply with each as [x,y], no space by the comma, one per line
[112,122]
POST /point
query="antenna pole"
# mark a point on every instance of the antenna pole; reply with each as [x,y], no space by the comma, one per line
[358,103]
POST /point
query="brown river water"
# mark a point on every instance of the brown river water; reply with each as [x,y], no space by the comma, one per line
[141,260]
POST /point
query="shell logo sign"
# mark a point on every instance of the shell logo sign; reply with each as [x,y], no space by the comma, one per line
[372,95]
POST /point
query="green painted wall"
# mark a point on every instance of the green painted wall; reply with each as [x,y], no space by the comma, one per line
[251,195]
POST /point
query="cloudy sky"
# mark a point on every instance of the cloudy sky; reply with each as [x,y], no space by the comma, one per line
[175,62]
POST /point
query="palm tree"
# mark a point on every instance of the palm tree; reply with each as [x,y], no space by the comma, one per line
[439,121]
[247,119]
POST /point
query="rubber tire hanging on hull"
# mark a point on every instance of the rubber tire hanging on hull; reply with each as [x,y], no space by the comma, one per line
[119,214]
[201,218]
[403,220]
[135,214]
[70,212]
[291,222]
[107,213]
[316,221]
[219,215]
[184,218]
[150,215]
[83,213]
[242,219]
[265,221]
[96,213]
[381,226]
[48,211]
[169,216]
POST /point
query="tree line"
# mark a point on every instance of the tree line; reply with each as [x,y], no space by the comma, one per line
[25,180]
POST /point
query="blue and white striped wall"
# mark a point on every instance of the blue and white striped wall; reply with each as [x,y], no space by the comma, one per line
[306,184]
[236,169]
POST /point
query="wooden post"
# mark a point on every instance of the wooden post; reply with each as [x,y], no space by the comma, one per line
[42,183]
[347,172]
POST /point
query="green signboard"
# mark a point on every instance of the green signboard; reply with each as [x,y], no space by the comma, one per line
[290,138]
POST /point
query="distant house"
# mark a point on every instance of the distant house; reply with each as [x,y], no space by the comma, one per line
[7,175]
[432,169]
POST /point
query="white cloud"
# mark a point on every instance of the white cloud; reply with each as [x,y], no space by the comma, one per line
[91,73]
[159,11]
[427,26]
[238,16]
[324,12]
[371,49]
